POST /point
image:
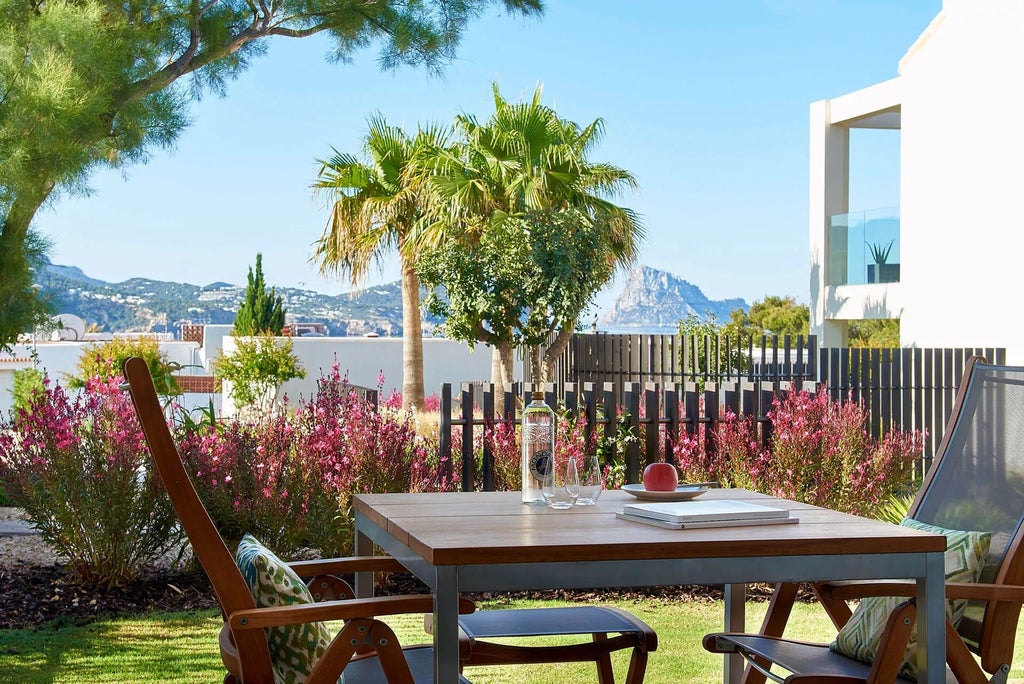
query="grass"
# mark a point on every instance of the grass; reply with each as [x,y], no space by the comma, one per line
[181,648]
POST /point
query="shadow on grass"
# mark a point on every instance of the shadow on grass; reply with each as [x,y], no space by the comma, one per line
[177,647]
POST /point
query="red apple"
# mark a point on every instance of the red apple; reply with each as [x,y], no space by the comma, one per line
[661,477]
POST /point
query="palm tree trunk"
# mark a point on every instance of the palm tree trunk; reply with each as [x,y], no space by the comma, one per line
[412,340]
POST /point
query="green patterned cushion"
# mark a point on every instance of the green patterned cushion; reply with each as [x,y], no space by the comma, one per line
[294,649]
[860,637]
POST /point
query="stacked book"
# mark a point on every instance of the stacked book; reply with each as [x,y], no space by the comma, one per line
[679,515]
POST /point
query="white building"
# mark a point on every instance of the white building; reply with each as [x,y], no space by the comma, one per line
[957,238]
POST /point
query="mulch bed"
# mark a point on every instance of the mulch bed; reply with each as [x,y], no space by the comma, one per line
[34,595]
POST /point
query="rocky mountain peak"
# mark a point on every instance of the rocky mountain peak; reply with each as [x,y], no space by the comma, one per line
[657,299]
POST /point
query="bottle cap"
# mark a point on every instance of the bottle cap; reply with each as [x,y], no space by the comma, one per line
[537,396]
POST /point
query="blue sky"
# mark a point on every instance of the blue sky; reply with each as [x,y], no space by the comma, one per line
[705,102]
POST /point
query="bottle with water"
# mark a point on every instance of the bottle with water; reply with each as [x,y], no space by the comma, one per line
[538,437]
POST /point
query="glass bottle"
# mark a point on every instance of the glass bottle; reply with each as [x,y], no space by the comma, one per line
[538,437]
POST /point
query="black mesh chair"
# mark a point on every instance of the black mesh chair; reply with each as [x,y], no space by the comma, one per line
[976,482]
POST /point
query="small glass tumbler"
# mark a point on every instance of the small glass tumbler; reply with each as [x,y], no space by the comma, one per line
[561,483]
[591,484]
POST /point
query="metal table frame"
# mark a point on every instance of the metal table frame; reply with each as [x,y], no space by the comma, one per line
[448,581]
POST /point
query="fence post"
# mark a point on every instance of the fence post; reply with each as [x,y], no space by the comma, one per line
[445,442]
[712,414]
[632,401]
[590,409]
[488,454]
[652,430]
[466,401]
[672,421]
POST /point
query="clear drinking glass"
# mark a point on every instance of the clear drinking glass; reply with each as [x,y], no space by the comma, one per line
[561,482]
[591,484]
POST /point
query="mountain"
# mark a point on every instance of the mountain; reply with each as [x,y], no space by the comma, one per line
[654,299]
[143,305]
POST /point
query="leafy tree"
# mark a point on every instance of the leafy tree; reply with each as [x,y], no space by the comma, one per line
[21,308]
[522,162]
[377,205]
[87,84]
[877,333]
[261,312]
[702,334]
[770,316]
[525,279]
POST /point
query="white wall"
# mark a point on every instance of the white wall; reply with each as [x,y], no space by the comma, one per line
[59,360]
[364,359]
[962,178]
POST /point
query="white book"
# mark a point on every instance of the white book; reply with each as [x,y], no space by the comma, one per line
[707,523]
[712,510]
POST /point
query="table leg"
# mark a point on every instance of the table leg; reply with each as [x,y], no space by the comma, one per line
[735,620]
[364,580]
[931,621]
[446,625]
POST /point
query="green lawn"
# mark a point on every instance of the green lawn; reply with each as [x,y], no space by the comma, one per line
[182,648]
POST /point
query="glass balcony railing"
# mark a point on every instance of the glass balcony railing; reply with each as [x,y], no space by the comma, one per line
[864,247]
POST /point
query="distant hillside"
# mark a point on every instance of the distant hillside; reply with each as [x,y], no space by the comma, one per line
[654,299]
[651,300]
[143,305]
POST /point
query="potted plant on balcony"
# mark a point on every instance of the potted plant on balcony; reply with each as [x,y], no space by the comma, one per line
[880,255]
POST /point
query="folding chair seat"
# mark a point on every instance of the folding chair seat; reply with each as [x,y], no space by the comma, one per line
[610,630]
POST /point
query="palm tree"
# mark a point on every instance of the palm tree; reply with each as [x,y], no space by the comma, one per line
[525,159]
[377,206]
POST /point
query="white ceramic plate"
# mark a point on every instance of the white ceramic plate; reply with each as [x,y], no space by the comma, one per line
[682,493]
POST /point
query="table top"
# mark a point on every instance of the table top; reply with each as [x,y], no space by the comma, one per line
[482,528]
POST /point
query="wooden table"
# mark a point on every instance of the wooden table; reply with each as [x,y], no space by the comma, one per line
[490,541]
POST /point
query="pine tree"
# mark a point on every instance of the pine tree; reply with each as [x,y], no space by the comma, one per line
[260,312]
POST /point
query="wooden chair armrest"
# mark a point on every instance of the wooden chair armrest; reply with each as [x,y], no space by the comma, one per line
[845,591]
[261,618]
[335,566]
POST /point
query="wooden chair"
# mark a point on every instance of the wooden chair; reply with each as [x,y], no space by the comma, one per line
[976,482]
[366,649]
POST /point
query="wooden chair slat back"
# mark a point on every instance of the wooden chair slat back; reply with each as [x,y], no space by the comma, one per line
[228,584]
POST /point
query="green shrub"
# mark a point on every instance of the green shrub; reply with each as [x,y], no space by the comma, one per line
[28,385]
[256,370]
[79,467]
[104,361]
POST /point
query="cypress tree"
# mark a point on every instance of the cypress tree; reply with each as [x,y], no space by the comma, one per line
[260,312]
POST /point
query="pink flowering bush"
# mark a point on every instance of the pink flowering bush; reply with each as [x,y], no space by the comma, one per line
[820,453]
[288,476]
[79,466]
[503,439]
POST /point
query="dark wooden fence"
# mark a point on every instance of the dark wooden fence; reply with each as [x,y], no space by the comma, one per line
[911,389]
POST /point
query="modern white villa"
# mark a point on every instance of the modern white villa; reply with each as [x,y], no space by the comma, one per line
[954,248]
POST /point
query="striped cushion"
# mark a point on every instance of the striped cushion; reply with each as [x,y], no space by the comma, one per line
[294,649]
[860,637]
